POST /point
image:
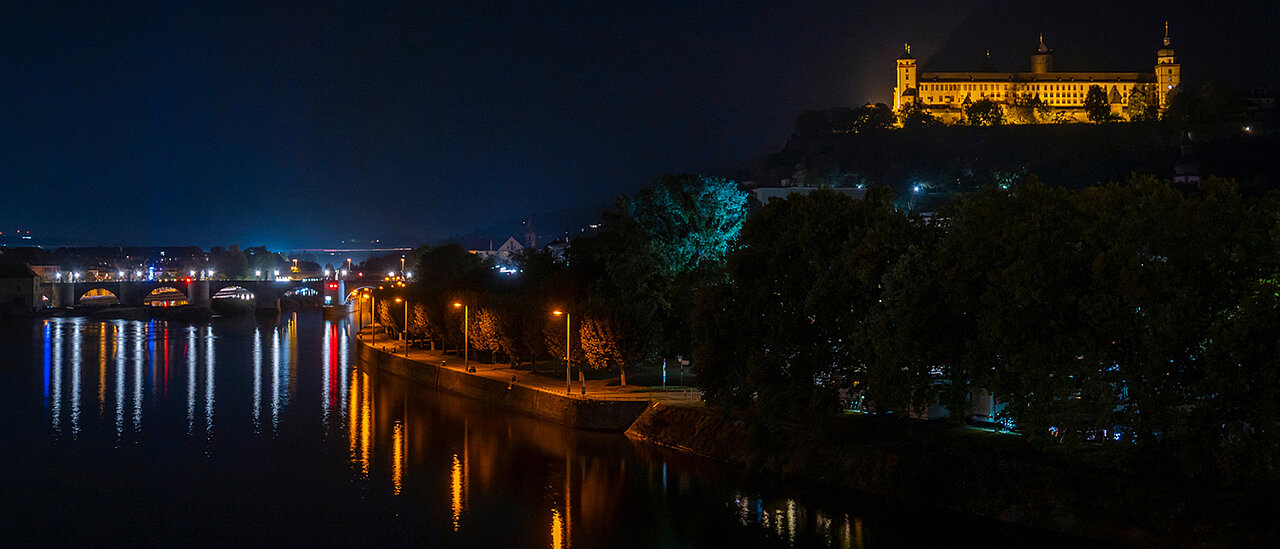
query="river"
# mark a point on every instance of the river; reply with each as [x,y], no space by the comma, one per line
[253,431]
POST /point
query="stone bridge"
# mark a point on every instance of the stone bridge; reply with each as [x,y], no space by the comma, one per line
[266,293]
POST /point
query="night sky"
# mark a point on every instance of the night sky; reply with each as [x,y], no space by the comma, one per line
[258,123]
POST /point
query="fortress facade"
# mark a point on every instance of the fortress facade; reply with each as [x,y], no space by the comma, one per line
[1062,94]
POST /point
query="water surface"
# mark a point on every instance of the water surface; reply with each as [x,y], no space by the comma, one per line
[246,431]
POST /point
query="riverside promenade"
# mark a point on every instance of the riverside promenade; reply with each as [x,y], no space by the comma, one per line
[540,394]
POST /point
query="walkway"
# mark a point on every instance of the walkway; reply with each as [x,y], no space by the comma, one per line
[597,389]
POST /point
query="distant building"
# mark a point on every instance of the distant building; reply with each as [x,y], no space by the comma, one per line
[946,94]
[19,287]
[504,255]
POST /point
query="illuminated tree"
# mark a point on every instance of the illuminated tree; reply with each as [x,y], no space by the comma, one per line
[419,324]
[916,115]
[488,332]
[385,317]
[1144,105]
[689,219]
[600,345]
[1025,109]
[1096,105]
[984,112]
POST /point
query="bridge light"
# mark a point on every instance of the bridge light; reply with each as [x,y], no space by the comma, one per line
[257,273]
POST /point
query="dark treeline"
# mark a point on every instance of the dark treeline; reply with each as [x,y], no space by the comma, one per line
[1133,315]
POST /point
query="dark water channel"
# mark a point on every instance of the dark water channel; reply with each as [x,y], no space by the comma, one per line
[252,432]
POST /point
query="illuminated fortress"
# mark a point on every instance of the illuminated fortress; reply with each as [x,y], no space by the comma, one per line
[1061,94]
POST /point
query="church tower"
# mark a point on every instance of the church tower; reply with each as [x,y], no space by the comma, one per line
[905,92]
[1168,72]
[1042,59]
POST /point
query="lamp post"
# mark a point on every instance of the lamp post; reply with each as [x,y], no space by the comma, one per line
[568,364]
[406,325]
[466,342]
[402,267]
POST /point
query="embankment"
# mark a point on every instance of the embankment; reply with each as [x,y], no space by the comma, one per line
[587,414]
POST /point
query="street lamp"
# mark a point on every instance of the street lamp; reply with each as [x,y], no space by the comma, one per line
[466,343]
[406,325]
[568,363]
[402,266]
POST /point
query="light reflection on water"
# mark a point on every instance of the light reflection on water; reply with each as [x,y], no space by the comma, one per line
[442,468]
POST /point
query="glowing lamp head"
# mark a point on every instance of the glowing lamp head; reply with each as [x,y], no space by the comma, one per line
[398,300]
[557,312]
[457,305]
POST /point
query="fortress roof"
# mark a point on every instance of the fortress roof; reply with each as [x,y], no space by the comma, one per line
[1055,77]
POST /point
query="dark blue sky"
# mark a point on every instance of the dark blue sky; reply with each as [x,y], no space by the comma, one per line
[300,124]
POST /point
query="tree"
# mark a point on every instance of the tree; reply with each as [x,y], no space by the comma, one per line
[1144,105]
[600,345]
[813,263]
[419,324]
[689,219]
[914,115]
[1096,105]
[984,112]
[489,332]
[1025,109]
[875,117]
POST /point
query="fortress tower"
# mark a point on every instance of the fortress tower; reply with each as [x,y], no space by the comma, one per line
[1042,59]
[1168,72]
[905,92]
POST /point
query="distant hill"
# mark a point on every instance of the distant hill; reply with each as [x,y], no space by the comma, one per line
[957,158]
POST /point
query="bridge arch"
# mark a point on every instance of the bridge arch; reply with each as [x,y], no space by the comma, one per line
[165,296]
[98,297]
[234,292]
[353,290]
[301,291]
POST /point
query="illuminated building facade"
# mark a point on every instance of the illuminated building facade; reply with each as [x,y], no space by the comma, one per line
[1062,94]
